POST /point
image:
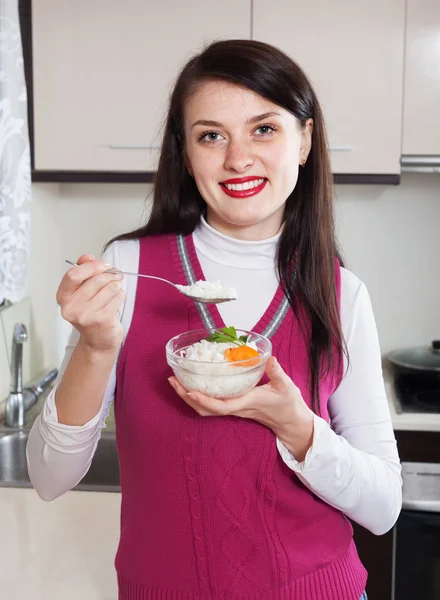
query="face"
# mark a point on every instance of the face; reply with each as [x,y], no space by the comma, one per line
[244,153]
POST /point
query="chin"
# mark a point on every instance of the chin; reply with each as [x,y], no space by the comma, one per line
[247,222]
[242,220]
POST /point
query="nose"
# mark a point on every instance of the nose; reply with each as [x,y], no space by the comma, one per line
[238,157]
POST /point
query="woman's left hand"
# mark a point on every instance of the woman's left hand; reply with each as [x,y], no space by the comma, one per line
[277,405]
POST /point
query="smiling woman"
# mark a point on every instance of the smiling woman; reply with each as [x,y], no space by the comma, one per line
[259,142]
[243,497]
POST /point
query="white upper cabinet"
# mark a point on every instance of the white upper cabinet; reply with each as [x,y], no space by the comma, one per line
[102,72]
[421,123]
[353,52]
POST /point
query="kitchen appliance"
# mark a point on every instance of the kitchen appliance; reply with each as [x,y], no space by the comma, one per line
[416,374]
[416,545]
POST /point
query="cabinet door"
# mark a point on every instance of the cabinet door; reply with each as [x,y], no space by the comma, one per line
[353,53]
[103,70]
[63,549]
[421,122]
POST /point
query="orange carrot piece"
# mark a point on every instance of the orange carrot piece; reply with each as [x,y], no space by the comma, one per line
[242,353]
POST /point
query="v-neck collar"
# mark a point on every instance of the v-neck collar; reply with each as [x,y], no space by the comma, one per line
[189,262]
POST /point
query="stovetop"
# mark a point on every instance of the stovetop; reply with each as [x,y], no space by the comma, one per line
[417,395]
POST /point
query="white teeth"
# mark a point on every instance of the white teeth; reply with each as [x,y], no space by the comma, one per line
[248,185]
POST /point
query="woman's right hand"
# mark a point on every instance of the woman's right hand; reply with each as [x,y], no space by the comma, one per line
[89,300]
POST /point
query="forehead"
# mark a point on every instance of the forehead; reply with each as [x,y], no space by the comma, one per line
[226,102]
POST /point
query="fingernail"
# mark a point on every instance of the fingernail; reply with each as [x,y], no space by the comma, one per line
[275,363]
[192,396]
[171,382]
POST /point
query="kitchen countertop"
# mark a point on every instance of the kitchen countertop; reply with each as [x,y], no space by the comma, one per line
[409,421]
[401,421]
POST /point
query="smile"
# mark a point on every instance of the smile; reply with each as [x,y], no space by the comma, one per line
[242,188]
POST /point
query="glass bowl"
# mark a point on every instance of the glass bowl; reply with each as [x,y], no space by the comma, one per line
[217,379]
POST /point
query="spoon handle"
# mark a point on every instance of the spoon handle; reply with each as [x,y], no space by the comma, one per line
[115,271]
[140,275]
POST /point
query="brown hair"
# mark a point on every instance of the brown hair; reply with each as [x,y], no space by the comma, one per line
[307,247]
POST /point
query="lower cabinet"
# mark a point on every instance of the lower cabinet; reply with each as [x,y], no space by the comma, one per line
[59,550]
[65,549]
[376,552]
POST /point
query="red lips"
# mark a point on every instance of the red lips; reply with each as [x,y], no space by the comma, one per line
[243,193]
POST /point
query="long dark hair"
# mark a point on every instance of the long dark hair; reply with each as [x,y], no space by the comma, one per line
[307,248]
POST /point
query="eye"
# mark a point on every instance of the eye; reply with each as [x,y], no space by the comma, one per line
[210,137]
[265,130]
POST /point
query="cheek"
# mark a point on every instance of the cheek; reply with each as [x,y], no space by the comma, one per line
[283,162]
[204,164]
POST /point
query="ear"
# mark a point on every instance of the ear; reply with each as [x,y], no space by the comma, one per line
[306,141]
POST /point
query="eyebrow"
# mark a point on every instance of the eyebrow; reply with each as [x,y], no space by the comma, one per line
[250,121]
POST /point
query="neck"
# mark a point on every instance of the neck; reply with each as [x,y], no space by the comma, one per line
[239,254]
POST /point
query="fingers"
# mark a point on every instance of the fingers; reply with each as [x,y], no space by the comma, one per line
[185,395]
[109,311]
[103,285]
[204,405]
[76,276]
[89,296]
[272,405]
[83,310]
[104,299]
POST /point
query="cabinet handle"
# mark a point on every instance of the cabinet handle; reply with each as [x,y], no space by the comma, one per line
[132,147]
[144,147]
[429,163]
[341,148]
[420,160]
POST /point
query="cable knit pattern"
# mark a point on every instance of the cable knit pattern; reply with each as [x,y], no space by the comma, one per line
[209,509]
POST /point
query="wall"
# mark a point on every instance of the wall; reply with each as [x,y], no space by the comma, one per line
[66,221]
[389,236]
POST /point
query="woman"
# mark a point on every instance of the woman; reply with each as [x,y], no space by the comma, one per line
[255,501]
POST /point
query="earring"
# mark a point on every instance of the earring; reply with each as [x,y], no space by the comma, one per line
[303,162]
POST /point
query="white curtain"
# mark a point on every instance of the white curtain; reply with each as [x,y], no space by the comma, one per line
[15,182]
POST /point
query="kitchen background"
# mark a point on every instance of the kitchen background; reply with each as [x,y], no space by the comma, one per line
[389,236]
[98,74]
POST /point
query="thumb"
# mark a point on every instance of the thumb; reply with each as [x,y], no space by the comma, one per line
[276,374]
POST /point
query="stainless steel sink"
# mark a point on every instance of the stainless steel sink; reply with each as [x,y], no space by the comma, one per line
[103,474]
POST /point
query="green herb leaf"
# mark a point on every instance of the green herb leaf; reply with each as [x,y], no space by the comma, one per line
[230,331]
[227,335]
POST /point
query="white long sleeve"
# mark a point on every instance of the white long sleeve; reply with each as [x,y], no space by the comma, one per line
[353,465]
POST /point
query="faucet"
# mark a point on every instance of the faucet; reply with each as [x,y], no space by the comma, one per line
[21,400]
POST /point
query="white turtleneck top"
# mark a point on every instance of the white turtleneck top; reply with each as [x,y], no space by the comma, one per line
[353,462]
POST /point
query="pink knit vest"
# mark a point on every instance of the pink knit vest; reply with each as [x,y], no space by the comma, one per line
[209,509]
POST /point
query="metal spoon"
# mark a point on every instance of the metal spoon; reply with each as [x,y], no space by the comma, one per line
[175,285]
